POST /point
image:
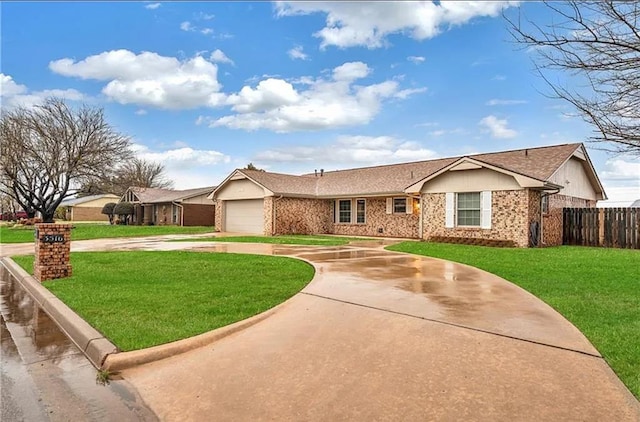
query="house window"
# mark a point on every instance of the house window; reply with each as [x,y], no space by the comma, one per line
[399,205]
[360,211]
[155,213]
[545,204]
[175,214]
[344,214]
[468,209]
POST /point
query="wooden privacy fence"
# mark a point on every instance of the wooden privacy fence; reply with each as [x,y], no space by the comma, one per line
[608,227]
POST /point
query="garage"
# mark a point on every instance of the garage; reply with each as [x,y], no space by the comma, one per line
[244,216]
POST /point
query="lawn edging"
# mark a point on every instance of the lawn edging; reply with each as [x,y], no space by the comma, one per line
[90,341]
[100,351]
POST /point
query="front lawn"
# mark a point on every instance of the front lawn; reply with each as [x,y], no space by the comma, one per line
[140,299]
[597,289]
[284,239]
[24,234]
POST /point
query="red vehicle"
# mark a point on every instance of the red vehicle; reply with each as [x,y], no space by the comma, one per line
[9,216]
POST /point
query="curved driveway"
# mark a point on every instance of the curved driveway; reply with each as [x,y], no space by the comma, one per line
[379,335]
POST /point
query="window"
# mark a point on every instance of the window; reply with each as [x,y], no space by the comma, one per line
[344,214]
[399,205]
[545,204]
[175,214]
[360,211]
[155,213]
[468,209]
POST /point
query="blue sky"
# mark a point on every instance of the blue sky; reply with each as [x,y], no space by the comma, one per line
[206,87]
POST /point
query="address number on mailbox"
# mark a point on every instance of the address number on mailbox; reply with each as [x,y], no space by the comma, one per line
[53,238]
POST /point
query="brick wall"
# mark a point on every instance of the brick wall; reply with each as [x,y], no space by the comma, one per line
[376,218]
[301,216]
[52,258]
[552,221]
[534,216]
[88,214]
[268,216]
[219,213]
[198,215]
[509,218]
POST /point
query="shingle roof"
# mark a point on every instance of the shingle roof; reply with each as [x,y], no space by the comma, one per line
[538,163]
[83,199]
[155,195]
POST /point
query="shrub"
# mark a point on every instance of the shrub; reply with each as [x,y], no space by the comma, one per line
[107,209]
[124,210]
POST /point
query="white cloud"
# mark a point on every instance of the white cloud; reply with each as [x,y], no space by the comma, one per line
[296,53]
[206,31]
[13,94]
[498,102]
[348,151]
[499,78]
[621,170]
[148,78]
[277,105]
[186,26]
[205,16]
[350,24]
[219,57]
[152,6]
[416,59]
[497,127]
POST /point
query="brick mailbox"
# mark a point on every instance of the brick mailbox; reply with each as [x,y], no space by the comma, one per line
[53,248]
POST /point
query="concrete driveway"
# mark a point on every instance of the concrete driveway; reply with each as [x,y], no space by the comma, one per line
[379,335]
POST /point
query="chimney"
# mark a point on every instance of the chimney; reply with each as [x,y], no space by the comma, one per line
[316,170]
[321,172]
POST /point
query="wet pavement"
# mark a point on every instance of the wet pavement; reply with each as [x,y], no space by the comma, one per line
[44,377]
[379,335]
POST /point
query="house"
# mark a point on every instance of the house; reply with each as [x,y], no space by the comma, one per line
[635,204]
[508,198]
[86,208]
[189,207]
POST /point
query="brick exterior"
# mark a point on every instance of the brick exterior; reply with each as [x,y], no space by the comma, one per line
[198,215]
[552,221]
[52,259]
[301,216]
[534,216]
[509,218]
[376,218]
[218,215]
[268,216]
[88,214]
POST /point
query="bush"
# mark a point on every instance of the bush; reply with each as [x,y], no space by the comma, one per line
[107,209]
[124,210]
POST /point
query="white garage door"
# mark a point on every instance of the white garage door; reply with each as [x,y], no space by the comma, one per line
[244,216]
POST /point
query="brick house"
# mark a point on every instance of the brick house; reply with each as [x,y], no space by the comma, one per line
[189,207]
[87,208]
[510,197]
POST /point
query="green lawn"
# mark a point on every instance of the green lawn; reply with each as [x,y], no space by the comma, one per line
[23,234]
[141,299]
[284,239]
[597,289]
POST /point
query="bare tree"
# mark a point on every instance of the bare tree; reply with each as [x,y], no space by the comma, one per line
[598,43]
[133,172]
[47,152]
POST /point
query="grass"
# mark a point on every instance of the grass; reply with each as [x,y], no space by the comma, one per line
[284,239]
[597,289]
[142,298]
[24,234]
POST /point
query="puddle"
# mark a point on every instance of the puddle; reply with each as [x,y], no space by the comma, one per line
[45,376]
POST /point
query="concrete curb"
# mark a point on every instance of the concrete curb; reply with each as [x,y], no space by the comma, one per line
[124,360]
[105,355]
[91,342]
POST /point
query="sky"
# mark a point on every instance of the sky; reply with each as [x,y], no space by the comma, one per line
[207,87]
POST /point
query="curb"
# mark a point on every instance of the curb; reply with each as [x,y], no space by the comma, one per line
[92,343]
[103,354]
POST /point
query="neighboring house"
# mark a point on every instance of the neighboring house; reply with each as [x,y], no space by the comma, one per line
[189,207]
[87,208]
[504,198]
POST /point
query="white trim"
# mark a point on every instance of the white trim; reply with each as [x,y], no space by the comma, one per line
[389,205]
[485,209]
[449,210]
[409,206]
